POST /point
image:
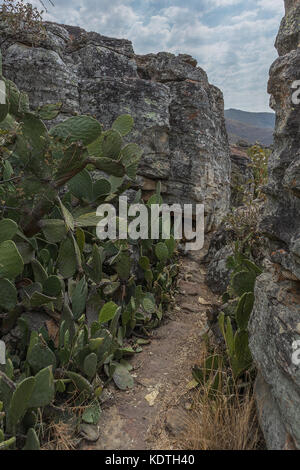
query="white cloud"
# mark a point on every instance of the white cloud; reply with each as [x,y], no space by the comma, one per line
[235,46]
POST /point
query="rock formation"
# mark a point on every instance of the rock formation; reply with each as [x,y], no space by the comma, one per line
[275,322]
[179,116]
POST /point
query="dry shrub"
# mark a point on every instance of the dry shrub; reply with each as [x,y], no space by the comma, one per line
[224,423]
[225,419]
[59,436]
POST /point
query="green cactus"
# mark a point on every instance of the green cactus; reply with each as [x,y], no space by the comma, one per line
[90,365]
[243,282]
[101,187]
[79,297]
[43,392]
[66,261]
[32,441]
[40,357]
[123,124]
[162,252]
[11,262]
[51,259]
[8,295]
[19,403]
[107,312]
[52,287]
[8,229]
[244,309]
[47,112]
[83,129]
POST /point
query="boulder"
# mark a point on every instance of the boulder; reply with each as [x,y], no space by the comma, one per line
[275,321]
[179,116]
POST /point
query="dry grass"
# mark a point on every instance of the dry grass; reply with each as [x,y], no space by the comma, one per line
[223,420]
[224,423]
[59,436]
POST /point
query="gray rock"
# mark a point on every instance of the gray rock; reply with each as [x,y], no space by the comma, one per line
[274,324]
[269,415]
[179,116]
[241,176]
[218,275]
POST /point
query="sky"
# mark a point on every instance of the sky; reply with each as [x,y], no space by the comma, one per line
[233,40]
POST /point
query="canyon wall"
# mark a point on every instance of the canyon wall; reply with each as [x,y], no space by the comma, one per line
[275,322]
[179,116]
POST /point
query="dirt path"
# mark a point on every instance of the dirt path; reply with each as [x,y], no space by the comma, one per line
[152,414]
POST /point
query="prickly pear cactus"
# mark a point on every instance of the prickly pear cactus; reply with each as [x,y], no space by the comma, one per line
[52,261]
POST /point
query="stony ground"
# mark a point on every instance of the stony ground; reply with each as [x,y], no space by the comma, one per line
[152,415]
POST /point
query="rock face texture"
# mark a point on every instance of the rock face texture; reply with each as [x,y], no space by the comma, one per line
[275,322]
[179,116]
[241,175]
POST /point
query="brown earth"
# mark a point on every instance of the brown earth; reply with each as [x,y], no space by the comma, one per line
[151,415]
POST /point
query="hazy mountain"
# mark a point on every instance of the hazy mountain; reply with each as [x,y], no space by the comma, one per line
[250,126]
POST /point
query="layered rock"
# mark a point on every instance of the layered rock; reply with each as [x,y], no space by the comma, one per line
[179,116]
[275,322]
[242,177]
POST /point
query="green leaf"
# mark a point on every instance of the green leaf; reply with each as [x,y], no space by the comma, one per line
[88,220]
[44,391]
[83,129]
[144,263]
[79,297]
[111,143]
[38,300]
[8,229]
[54,230]
[81,186]
[41,357]
[66,262]
[52,287]
[92,414]
[39,272]
[123,266]
[123,124]
[8,295]
[11,262]
[90,365]
[68,218]
[80,382]
[243,282]
[131,154]
[109,166]
[149,303]
[19,402]
[162,251]
[32,441]
[50,111]
[244,309]
[107,312]
[122,378]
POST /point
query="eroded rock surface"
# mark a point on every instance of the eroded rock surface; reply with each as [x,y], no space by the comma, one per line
[179,116]
[275,322]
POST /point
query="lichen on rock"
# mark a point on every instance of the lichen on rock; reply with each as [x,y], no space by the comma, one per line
[179,116]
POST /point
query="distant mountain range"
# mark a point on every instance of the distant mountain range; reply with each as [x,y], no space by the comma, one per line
[252,127]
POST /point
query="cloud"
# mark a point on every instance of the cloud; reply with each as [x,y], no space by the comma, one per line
[232,40]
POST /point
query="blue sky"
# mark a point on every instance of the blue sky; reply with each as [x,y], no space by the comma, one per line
[233,40]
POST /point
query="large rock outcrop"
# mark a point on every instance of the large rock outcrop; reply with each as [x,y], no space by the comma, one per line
[179,116]
[275,322]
